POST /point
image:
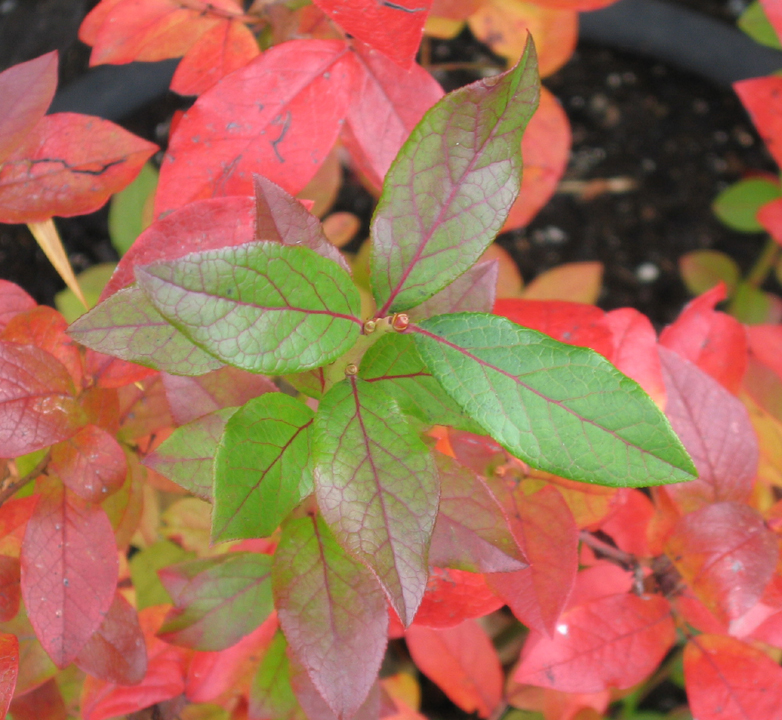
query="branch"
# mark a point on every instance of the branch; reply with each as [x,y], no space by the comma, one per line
[11,490]
[620,557]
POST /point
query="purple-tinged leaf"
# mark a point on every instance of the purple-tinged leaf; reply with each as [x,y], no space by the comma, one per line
[394,364]
[561,408]
[37,400]
[332,611]
[377,487]
[127,325]
[282,218]
[472,292]
[471,532]
[263,307]
[451,187]
[191,397]
[187,456]
[262,467]
[716,430]
[217,601]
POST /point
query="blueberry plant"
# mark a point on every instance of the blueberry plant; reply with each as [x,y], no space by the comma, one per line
[234,486]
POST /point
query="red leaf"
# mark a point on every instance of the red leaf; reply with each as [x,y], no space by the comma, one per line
[726,554]
[9,669]
[770,217]
[332,611]
[395,29]
[599,581]
[480,453]
[88,32]
[568,322]
[13,300]
[37,403]
[202,225]
[545,147]
[773,10]
[615,641]
[765,342]
[453,596]
[716,430]
[728,679]
[222,140]
[69,571]
[9,587]
[143,408]
[43,703]
[192,397]
[537,594]
[110,372]
[462,661]
[92,463]
[116,652]
[282,218]
[15,513]
[225,47]
[150,30]
[762,97]
[45,328]
[27,90]
[471,531]
[165,678]
[629,520]
[68,165]
[635,345]
[714,341]
[387,104]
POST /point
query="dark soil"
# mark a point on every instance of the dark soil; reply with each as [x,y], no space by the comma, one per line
[680,139]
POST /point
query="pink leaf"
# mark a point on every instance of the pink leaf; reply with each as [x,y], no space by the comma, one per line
[37,403]
[69,571]
[27,90]
[716,430]
[13,300]
[303,90]
[726,678]
[615,641]
[9,669]
[462,661]
[762,97]
[727,555]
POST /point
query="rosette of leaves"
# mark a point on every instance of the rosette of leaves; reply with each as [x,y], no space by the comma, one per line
[353,485]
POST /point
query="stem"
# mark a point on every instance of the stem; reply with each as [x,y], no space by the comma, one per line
[11,490]
[450,66]
[764,264]
[609,551]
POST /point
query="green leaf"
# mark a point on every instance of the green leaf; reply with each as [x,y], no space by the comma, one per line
[560,408]
[701,270]
[377,487]
[332,611]
[395,365]
[262,467]
[264,307]
[451,187]
[91,281]
[271,694]
[143,571]
[217,601]
[755,23]
[127,216]
[737,206]
[187,456]
[128,326]
[753,306]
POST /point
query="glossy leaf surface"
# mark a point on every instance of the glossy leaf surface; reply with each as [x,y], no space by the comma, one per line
[560,408]
[217,601]
[727,555]
[69,571]
[716,430]
[127,325]
[279,116]
[68,165]
[462,661]
[614,641]
[377,487]
[187,455]
[450,189]
[116,652]
[37,400]
[332,611]
[27,90]
[263,307]
[262,468]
